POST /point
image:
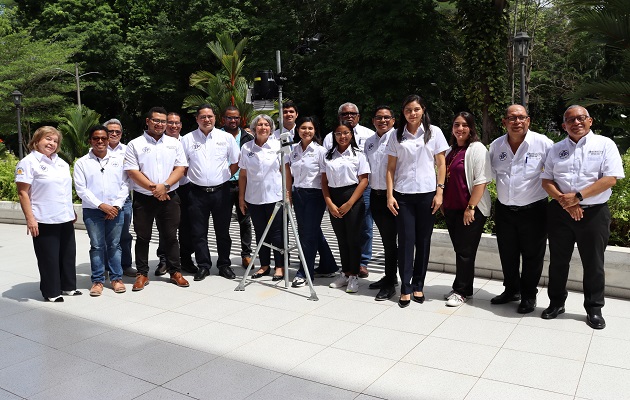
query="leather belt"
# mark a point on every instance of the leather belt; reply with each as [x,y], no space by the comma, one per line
[525,207]
[209,189]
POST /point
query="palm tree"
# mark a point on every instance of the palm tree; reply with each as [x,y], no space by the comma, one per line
[75,141]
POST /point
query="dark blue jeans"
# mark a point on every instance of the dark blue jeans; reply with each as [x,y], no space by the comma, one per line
[414,224]
[104,244]
[125,236]
[309,207]
[260,214]
[367,233]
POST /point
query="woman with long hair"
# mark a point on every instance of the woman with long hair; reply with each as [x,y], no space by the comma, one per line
[466,203]
[414,193]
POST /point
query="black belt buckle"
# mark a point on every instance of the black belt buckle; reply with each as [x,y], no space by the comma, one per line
[210,189]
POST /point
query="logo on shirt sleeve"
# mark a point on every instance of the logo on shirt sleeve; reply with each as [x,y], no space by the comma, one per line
[370,147]
[563,154]
[503,156]
[19,171]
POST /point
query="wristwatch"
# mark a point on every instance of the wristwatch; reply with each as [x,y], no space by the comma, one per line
[441,185]
[471,207]
[579,196]
[167,186]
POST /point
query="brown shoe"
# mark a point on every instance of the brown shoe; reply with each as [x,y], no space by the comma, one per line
[118,286]
[363,272]
[179,280]
[246,261]
[97,289]
[141,282]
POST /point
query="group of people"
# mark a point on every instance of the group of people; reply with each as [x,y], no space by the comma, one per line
[396,177]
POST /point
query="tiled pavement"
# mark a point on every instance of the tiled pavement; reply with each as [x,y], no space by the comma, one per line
[268,342]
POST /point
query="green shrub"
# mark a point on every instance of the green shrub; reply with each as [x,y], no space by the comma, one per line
[8,189]
[619,204]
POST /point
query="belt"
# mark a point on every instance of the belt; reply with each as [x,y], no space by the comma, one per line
[209,189]
[525,207]
[380,192]
[585,206]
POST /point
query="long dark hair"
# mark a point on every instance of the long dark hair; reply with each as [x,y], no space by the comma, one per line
[426,121]
[470,120]
[353,143]
[317,137]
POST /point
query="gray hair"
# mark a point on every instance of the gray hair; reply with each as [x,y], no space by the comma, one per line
[573,107]
[351,105]
[267,118]
[113,121]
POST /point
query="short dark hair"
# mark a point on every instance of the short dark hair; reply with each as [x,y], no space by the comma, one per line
[290,104]
[203,107]
[382,107]
[230,108]
[94,129]
[157,109]
[173,113]
[470,120]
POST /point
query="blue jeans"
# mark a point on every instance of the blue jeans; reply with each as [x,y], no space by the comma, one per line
[309,207]
[104,243]
[367,232]
[125,237]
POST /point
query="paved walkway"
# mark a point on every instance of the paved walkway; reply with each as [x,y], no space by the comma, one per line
[210,342]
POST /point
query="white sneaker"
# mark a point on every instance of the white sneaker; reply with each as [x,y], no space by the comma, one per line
[448,295]
[455,300]
[353,284]
[341,281]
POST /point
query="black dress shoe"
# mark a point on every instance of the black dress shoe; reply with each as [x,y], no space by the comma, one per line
[201,274]
[190,267]
[505,297]
[227,272]
[403,303]
[595,320]
[526,306]
[417,299]
[277,278]
[552,312]
[385,293]
[161,269]
[384,281]
[261,274]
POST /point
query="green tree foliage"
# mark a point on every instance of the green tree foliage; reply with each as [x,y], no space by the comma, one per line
[74,129]
[619,204]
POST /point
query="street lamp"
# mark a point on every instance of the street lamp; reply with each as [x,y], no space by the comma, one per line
[521,42]
[17,100]
[77,79]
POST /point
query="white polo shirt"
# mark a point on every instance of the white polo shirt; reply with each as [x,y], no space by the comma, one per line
[344,169]
[415,166]
[374,150]
[156,159]
[518,175]
[575,166]
[305,165]
[51,187]
[361,134]
[119,149]
[264,182]
[276,133]
[210,156]
[101,180]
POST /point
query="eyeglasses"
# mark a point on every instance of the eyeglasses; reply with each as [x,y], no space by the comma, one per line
[349,114]
[346,133]
[383,118]
[114,132]
[158,121]
[232,118]
[208,117]
[174,123]
[519,118]
[579,119]
[99,139]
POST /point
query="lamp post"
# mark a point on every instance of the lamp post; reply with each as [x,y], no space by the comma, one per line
[77,79]
[17,100]
[521,42]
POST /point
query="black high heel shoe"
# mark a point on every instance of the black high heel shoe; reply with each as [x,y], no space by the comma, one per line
[418,299]
[261,274]
[403,303]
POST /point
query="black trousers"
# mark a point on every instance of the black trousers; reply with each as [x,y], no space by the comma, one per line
[591,235]
[260,214]
[186,246]
[244,222]
[200,205]
[415,227]
[56,251]
[521,233]
[386,224]
[348,229]
[166,215]
[465,239]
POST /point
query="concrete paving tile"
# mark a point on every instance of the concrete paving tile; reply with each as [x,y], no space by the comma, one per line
[601,382]
[349,310]
[254,292]
[550,342]
[265,319]
[4,395]
[569,321]
[487,332]
[616,327]
[15,349]
[452,355]
[107,348]
[291,387]
[411,320]
[160,393]
[408,381]
[122,314]
[486,389]
[609,351]
[308,328]
[217,338]
[379,342]
[483,309]
[554,374]
[166,326]
[212,308]
[296,299]
[65,332]
[164,295]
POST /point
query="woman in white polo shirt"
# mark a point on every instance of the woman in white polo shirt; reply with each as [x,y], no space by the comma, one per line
[345,172]
[413,193]
[45,190]
[259,188]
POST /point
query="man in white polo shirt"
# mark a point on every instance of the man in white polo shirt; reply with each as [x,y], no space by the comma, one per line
[155,163]
[579,174]
[517,160]
[212,156]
